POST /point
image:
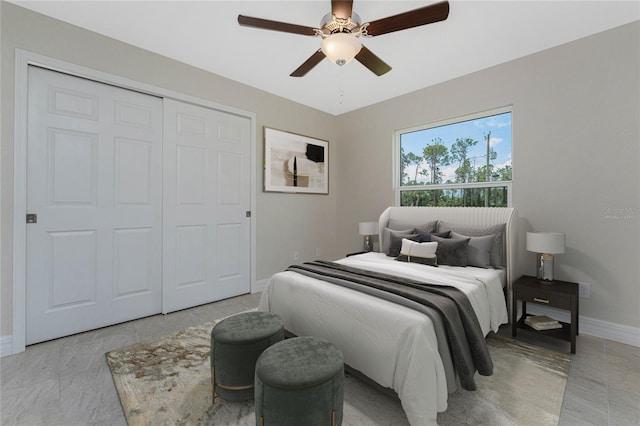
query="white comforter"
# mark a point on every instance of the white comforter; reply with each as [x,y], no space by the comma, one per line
[391,344]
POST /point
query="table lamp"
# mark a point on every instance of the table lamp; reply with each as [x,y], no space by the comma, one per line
[368,229]
[545,244]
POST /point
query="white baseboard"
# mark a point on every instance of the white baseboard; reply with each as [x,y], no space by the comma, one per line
[591,326]
[6,346]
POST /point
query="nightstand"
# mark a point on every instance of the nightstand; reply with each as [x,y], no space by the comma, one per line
[559,294]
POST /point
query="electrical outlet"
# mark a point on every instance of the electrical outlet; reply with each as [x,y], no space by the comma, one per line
[296,255]
[318,252]
[584,290]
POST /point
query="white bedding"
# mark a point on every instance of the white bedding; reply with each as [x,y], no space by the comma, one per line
[489,305]
[391,344]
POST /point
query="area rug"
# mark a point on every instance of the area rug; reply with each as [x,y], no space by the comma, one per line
[168,382]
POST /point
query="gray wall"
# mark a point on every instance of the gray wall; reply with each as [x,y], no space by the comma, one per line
[576,139]
[575,150]
[284,222]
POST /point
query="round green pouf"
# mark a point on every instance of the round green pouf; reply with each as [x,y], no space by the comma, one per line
[300,381]
[236,344]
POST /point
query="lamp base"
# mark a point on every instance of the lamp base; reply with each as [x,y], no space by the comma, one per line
[368,243]
[544,268]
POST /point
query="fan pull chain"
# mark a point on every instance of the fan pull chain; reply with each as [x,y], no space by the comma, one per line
[341,98]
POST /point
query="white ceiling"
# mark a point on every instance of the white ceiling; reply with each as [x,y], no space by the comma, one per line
[478,34]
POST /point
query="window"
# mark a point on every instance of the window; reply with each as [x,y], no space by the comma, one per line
[461,162]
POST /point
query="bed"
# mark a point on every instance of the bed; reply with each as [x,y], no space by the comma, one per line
[393,342]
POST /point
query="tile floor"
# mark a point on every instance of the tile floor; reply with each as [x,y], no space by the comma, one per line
[67,381]
[604,380]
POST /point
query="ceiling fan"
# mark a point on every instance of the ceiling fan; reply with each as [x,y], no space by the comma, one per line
[341,29]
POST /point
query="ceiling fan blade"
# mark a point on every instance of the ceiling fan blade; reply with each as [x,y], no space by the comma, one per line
[371,61]
[267,24]
[414,18]
[342,9]
[314,60]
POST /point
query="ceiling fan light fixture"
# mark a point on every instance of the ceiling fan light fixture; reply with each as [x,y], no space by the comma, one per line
[341,48]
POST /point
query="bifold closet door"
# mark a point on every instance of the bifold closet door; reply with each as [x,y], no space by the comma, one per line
[94,193]
[206,191]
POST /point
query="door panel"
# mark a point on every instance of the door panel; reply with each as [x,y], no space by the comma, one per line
[192,175]
[72,279]
[206,234]
[72,185]
[229,179]
[94,179]
[230,255]
[132,171]
[191,255]
[132,262]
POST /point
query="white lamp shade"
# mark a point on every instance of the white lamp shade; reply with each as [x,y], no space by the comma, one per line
[545,242]
[368,228]
[341,48]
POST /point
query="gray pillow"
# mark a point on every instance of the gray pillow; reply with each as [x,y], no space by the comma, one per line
[386,237]
[497,255]
[425,237]
[478,251]
[395,242]
[398,225]
[451,252]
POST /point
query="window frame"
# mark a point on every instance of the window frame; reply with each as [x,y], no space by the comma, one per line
[397,181]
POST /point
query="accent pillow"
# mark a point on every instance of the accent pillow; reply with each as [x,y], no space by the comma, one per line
[497,251]
[414,248]
[451,252]
[398,225]
[478,251]
[425,237]
[386,237]
[414,252]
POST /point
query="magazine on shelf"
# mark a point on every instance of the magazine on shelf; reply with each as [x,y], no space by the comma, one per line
[542,322]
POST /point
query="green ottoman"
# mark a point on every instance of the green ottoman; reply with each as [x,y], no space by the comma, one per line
[236,344]
[300,381]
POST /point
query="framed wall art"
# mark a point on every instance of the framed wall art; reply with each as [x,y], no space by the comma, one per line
[295,163]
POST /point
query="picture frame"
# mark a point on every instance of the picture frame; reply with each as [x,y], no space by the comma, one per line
[295,163]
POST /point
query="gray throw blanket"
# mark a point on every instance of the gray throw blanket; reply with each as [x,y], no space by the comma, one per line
[469,351]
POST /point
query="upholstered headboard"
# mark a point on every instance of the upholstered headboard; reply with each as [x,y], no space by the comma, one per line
[468,216]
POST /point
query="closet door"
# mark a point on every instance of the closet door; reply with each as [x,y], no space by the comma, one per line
[94,180]
[206,228]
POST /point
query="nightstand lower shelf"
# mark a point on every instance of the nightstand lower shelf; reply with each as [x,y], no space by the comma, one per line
[563,333]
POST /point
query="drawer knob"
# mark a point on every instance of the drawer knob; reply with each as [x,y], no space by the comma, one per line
[535,299]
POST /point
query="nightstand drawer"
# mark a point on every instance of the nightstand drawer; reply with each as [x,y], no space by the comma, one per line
[548,298]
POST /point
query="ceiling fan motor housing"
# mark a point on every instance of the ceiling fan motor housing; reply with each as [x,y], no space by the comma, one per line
[330,24]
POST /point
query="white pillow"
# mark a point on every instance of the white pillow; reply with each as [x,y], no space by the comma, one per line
[412,248]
